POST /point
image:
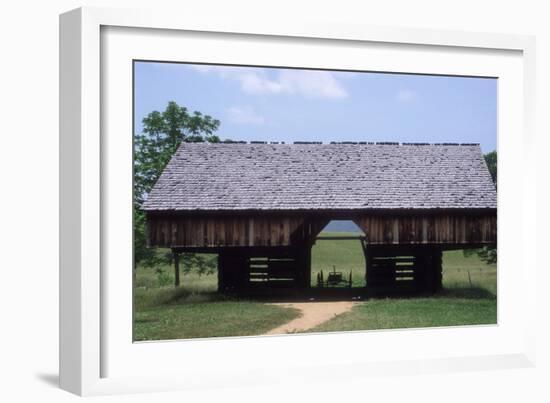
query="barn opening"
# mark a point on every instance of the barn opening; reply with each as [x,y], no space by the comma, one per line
[337,256]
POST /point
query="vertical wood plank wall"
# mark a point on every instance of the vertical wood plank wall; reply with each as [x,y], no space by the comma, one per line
[230,231]
[264,230]
[432,229]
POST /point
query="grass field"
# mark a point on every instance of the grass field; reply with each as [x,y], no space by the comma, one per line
[413,313]
[196,310]
[177,314]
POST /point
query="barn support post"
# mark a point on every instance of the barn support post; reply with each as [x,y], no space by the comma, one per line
[308,266]
[431,263]
[304,266]
[176,268]
[232,271]
[364,246]
[221,285]
[222,267]
[437,269]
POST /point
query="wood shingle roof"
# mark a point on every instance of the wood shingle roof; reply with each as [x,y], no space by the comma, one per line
[220,177]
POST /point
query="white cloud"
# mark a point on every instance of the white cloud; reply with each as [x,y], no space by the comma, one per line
[405,96]
[253,83]
[312,84]
[244,115]
[306,83]
[202,68]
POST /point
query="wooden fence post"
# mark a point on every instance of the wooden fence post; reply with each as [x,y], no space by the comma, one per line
[176,269]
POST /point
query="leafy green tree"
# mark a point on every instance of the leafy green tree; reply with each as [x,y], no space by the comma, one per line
[202,264]
[491,161]
[488,254]
[162,134]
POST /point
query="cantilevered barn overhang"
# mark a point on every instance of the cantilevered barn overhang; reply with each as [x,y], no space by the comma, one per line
[249,200]
[459,229]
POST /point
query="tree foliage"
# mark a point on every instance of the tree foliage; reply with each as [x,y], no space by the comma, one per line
[491,161]
[487,254]
[201,263]
[162,134]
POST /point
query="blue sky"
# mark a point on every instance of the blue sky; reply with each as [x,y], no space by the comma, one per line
[272,104]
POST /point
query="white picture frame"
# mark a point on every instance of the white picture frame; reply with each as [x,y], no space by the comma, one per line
[88,336]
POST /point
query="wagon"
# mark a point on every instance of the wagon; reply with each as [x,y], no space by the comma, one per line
[334,279]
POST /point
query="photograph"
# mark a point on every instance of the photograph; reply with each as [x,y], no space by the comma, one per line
[270,200]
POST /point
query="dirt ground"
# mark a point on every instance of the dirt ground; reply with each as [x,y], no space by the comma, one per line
[312,314]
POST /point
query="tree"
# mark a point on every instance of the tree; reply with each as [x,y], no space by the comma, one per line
[491,161]
[162,134]
[487,254]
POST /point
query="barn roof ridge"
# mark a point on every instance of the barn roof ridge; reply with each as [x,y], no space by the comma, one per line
[299,142]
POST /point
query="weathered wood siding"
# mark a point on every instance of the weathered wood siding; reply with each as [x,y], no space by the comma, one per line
[182,231]
[429,229]
[175,231]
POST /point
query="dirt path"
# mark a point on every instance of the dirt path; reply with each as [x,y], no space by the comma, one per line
[312,314]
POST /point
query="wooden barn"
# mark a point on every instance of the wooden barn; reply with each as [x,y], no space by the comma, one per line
[260,207]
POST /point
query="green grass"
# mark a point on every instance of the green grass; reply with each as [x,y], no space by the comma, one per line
[168,313]
[413,313]
[464,300]
[196,310]
[468,274]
